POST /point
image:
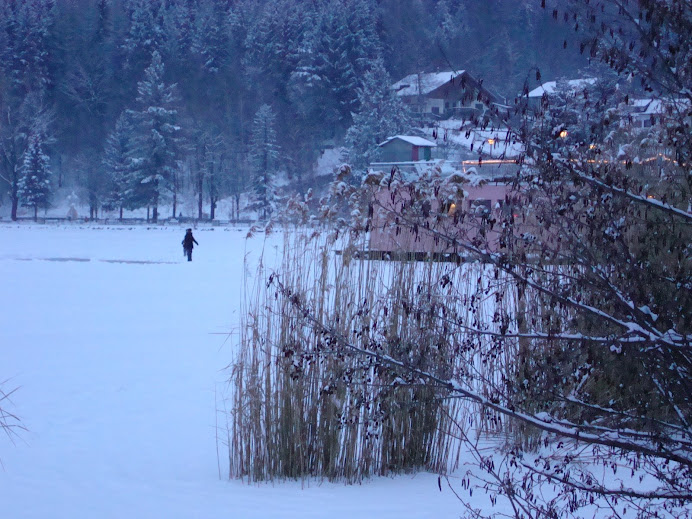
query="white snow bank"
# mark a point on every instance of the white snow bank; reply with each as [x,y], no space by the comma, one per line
[118,347]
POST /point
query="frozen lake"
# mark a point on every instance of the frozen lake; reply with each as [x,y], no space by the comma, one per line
[117,347]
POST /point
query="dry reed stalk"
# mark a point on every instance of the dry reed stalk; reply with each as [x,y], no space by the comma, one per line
[304,406]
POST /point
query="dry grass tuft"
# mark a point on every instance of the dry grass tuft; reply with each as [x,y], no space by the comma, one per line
[304,406]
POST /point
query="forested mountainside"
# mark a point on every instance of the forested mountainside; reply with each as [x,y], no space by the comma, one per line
[71,69]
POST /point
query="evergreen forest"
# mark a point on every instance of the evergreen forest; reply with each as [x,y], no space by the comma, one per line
[134,100]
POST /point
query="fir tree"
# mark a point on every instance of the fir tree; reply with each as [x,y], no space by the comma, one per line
[117,164]
[27,57]
[264,154]
[381,115]
[34,185]
[211,38]
[145,34]
[155,157]
[24,76]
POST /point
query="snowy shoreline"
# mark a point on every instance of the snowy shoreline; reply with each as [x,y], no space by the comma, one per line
[119,361]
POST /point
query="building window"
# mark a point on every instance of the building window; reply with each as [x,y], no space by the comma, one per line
[448,208]
[435,109]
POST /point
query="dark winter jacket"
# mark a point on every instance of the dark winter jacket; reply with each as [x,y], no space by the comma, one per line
[189,240]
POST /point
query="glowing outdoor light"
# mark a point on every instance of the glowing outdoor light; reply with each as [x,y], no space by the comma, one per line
[563,134]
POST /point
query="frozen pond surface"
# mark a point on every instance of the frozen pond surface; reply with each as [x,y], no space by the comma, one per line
[117,346]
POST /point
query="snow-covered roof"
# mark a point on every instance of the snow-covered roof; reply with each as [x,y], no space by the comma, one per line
[656,106]
[640,103]
[461,140]
[411,139]
[428,82]
[549,86]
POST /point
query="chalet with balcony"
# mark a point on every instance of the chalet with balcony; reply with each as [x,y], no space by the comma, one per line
[442,95]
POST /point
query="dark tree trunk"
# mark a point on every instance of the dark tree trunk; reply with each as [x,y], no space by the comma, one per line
[59,170]
[121,213]
[15,206]
[14,194]
[93,199]
[36,213]
[155,202]
[212,194]
[176,186]
[200,194]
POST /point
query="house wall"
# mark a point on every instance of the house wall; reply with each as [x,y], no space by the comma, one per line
[450,100]
[385,237]
[456,95]
[436,106]
[396,151]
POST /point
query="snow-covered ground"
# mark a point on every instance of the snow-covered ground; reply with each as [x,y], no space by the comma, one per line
[117,347]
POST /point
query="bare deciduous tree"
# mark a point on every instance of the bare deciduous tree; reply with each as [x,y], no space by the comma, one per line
[591,248]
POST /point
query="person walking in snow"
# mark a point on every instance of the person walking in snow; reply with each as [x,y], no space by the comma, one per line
[188,243]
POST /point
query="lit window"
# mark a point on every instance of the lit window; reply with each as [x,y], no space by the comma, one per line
[448,208]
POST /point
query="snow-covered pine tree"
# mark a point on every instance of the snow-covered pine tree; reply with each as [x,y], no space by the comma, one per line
[24,74]
[346,47]
[264,155]
[209,145]
[307,85]
[155,155]
[34,185]
[265,43]
[145,33]
[381,115]
[117,162]
[339,70]
[91,97]
[30,25]
[360,46]
[211,35]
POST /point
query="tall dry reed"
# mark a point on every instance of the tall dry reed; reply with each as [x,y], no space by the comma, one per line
[305,406]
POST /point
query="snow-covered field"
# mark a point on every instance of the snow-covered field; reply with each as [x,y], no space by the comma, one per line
[117,347]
